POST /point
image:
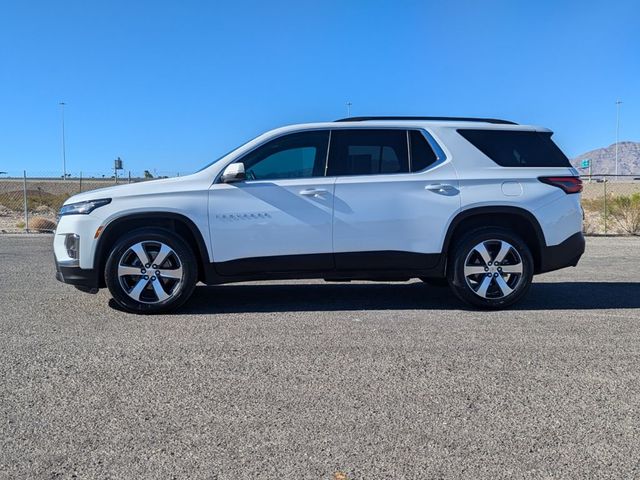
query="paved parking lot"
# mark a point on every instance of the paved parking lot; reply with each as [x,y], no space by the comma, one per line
[305,379]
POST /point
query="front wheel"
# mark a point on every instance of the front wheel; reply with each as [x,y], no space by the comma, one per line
[491,268]
[151,271]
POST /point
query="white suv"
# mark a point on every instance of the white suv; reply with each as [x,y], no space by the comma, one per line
[479,204]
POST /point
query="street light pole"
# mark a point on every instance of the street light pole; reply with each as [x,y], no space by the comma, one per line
[618,103]
[349,109]
[64,153]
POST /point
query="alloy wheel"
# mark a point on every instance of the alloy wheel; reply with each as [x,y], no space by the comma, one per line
[493,269]
[150,272]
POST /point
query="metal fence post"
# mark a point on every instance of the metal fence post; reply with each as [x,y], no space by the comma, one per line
[80,182]
[605,205]
[24,195]
[129,176]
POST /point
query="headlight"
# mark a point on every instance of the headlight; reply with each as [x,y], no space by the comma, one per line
[83,208]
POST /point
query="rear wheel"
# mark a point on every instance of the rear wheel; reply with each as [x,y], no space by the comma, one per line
[492,268]
[151,271]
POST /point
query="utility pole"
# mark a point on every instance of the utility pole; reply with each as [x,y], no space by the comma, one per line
[349,109]
[64,153]
[618,103]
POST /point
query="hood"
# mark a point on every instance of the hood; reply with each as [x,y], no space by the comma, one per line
[163,185]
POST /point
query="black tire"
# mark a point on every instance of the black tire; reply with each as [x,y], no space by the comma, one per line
[435,282]
[178,290]
[469,289]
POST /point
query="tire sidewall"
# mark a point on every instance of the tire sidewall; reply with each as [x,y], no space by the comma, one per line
[182,250]
[458,281]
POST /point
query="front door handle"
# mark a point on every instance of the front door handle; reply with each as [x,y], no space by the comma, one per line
[442,188]
[313,192]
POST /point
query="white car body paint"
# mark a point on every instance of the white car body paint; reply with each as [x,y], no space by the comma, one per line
[391,212]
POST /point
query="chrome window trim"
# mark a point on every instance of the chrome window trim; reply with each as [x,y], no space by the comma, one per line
[437,149]
[326,159]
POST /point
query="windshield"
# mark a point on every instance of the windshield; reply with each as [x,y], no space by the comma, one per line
[230,151]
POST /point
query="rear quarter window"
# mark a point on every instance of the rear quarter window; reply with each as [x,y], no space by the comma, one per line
[512,148]
[422,155]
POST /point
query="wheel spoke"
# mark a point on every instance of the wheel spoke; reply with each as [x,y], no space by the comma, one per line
[484,253]
[504,249]
[139,250]
[162,255]
[175,273]
[137,290]
[504,288]
[124,270]
[159,289]
[484,286]
[517,268]
[473,270]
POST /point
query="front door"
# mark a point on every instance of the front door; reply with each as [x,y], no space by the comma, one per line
[280,218]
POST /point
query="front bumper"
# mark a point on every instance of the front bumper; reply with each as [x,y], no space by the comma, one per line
[565,254]
[86,280]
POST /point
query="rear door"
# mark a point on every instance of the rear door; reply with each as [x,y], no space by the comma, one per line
[394,197]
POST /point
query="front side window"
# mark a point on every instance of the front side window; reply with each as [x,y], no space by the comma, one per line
[298,155]
[368,152]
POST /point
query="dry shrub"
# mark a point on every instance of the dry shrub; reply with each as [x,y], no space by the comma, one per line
[42,224]
[593,204]
[625,210]
[591,224]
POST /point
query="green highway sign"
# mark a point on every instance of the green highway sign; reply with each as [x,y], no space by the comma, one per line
[585,163]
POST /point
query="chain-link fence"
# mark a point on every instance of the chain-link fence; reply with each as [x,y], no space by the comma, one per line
[30,204]
[611,203]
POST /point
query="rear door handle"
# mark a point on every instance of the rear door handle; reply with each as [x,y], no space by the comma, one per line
[313,192]
[442,188]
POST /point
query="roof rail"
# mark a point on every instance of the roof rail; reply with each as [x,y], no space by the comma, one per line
[456,119]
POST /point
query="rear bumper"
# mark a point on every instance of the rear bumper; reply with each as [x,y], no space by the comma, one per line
[565,254]
[84,279]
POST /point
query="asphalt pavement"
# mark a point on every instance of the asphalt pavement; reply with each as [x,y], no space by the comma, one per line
[307,380]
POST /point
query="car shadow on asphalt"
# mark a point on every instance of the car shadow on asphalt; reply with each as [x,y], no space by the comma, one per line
[238,298]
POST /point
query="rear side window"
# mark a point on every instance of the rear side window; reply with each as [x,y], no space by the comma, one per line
[509,148]
[368,152]
[422,155]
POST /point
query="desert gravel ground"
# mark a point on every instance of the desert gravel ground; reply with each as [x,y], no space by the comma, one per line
[306,379]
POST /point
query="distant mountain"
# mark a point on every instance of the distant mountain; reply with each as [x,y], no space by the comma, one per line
[603,160]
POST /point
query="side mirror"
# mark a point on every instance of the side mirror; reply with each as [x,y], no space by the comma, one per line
[233,173]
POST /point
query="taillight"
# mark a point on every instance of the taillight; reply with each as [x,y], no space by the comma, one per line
[568,184]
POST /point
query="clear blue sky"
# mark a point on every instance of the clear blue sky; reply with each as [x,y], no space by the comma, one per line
[172,85]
